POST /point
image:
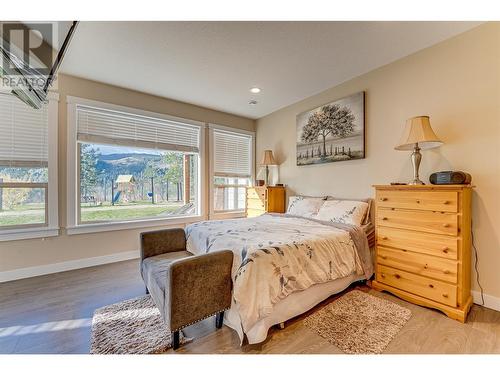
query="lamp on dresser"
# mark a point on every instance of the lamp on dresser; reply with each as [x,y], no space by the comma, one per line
[418,135]
[267,160]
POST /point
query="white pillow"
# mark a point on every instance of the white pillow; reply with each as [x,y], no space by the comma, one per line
[346,212]
[304,206]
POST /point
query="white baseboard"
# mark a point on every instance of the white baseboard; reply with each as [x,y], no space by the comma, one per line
[23,273]
[490,302]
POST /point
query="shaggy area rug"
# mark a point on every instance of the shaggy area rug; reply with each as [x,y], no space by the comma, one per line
[134,326]
[359,323]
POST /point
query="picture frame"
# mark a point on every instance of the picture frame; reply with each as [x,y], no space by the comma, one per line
[332,132]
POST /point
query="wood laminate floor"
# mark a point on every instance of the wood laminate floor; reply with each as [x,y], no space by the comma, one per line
[53,314]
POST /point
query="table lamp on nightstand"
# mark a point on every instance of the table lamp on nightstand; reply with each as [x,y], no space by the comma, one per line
[267,160]
[418,135]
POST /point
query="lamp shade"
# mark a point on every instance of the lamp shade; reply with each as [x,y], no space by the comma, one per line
[418,130]
[268,158]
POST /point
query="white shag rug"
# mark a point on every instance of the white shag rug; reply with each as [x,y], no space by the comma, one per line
[134,326]
[359,323]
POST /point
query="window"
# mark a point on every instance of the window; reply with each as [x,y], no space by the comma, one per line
[232,169]
[132,166]
[28,169]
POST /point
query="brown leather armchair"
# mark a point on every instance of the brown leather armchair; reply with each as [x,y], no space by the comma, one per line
[185,288]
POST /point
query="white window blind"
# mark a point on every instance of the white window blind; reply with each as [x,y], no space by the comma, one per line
[232,154]
[23,133]
[99,125]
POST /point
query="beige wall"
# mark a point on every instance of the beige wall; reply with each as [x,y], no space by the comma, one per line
[456,83]
[36,252]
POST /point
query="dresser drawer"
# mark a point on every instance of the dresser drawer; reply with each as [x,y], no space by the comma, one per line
[424,221]
[256,193]
[257,204]
[445,201]
[432,244]
[422,286]
[251,212]
[420,264]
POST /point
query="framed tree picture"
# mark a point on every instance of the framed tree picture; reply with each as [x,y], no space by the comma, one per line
[332,132]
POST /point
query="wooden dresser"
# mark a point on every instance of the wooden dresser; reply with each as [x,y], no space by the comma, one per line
[262,199]
[423,245]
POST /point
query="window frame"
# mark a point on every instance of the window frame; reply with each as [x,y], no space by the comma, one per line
[74,226]
[51,226]
[227,214]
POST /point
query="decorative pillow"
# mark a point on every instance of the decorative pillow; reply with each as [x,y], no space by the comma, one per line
[304,206]
[367,218]
[346,212]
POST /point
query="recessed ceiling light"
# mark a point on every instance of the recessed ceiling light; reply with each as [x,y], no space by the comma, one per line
[252,102]
[255,90]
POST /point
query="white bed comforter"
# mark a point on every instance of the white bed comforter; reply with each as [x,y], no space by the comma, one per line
[276,255]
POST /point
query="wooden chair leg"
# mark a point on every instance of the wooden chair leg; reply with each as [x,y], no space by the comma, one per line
[219,319]
[176,339]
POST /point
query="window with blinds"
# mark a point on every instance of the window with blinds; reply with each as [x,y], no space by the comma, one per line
[232,154]
[135,167]
[96,125]
[23,133]
[23,164]
[232,169]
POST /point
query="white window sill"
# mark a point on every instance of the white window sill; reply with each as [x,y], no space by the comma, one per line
[136,224]
[28,233]
[221,215]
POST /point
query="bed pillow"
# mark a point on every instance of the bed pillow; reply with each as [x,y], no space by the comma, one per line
[367,218]
[304,206]
[343,211]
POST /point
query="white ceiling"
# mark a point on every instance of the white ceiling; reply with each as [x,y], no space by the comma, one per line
[214,64]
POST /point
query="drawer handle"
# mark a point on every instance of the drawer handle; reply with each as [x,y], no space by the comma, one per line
[418,200]
[383,199]
[425,266]
[446,272]
[383,257]
[382,275]
[445,295]
[446,225]
[384,238]
[446,202]
[431,286]
[445,250]
[397,276]
[384,218]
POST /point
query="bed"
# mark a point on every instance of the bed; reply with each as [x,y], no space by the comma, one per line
[283,265]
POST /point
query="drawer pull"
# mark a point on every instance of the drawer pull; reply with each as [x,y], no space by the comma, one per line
[385,238]
[384,218]
[382,275]
[446,202]
[446,225]
[431,286]
[397,276]
[445,295]
[418,200]
[446,272]
[445,250]
[383,199]
[425,267]
[383,257]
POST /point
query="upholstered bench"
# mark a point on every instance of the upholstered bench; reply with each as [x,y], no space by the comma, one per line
[185,288]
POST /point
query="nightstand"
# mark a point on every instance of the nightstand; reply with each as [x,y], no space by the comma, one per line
[262,199]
